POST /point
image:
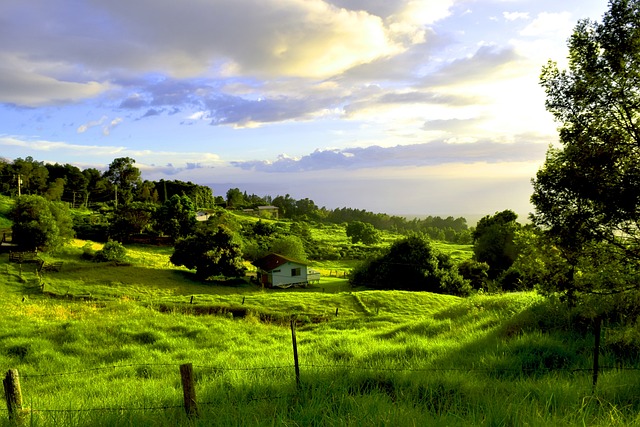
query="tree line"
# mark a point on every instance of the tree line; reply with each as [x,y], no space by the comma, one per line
[119,184]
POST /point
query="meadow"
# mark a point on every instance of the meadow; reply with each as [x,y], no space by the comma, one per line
[101,344]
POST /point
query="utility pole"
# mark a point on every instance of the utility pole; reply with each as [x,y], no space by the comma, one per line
[19,178]
[116,196]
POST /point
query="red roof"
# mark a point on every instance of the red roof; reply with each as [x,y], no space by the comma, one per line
[273,261]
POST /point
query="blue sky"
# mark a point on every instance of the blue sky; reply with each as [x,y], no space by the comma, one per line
[404,106]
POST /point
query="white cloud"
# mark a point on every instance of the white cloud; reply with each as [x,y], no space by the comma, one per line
[86,126]
[513,16]
[550,25]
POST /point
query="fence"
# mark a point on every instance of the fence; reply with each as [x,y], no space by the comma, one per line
[190,403]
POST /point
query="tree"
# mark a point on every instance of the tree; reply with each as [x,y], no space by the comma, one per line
[493,241]
[211,252]
[235,198]
[32,174]
[412,264]
[362,232]
[587,195]
[40,224]
[133,218]
[124,176]
[177,217]
[290,247]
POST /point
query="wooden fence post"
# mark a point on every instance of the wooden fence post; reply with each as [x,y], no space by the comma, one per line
[189,390]
[597,329]
[12,393]
[295,352]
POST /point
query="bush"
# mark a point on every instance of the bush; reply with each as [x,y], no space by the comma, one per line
[412,264]
[111,251]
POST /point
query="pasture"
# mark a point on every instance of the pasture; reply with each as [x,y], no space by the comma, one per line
[102,345]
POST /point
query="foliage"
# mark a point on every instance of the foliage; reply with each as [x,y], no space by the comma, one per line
[111,252]
[131,218]
[176,217]
[210,252]
[123,175]
[412,264]
[587,195]
[39,223]
[362,232]
[477,273]
[493,241]
[290,247]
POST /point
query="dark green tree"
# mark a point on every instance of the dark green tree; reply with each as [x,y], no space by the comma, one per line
[587,195]
[40,224]
[130,219]
[125,177]
[32,174]
[235,198]
[493,241]
[177,217]
[412,264]
[362,232]
[211,252]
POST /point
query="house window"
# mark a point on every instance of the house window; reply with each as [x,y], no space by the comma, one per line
[296,272]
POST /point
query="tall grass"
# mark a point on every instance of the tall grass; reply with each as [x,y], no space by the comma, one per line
[387,358]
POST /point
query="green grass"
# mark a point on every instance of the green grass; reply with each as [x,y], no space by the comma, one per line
[5,207]
[387,358]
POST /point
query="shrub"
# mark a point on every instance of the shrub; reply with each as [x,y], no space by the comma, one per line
[111,251]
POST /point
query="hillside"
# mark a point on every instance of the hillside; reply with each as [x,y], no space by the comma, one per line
[103,344]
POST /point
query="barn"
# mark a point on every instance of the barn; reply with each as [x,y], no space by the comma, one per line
[277,271]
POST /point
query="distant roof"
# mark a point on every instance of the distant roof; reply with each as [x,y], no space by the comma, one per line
[272,261]
[268,207]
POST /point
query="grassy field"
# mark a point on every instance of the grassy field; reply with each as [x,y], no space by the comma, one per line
[103,344]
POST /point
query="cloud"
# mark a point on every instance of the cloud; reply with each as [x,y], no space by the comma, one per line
[513,16]
[65,152]
[547,24]
[29,89]
[106,130]
[486,63]
[85,127]
[417,155]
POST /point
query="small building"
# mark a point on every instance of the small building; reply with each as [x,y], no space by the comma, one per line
[277,271]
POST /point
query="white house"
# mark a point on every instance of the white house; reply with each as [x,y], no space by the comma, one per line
[277,271]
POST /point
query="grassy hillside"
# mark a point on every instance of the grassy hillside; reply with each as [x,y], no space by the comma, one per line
[5,207]
[103,344]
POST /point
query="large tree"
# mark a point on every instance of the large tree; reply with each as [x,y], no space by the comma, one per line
[493,241]
[124,176]
[40,224]
[211,252]
[177,217]
[587,195]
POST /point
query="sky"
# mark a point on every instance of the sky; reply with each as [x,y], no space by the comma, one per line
[428,107]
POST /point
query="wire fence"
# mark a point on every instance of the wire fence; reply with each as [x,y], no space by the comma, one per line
[308,369]
[306,366]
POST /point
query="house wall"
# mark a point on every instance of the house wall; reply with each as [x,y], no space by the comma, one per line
[282,275]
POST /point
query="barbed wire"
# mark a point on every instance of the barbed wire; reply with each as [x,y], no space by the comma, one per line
[340,367]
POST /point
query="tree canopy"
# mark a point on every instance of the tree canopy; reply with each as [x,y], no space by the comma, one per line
[587,195]
[39,223]
[211,252]
[412,264]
